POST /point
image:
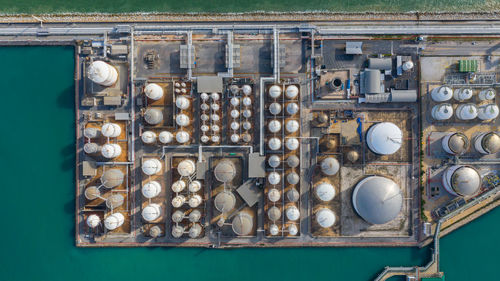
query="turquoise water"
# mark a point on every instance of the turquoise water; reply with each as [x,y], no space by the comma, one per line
[120,6]
[37,169]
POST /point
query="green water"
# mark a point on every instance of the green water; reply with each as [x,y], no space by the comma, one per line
[37,210]
[120,6]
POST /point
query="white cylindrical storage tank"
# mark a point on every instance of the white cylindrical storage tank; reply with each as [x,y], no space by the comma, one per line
[215,96]
[155,231]
[330,166]
[114,221]
[274,213]
[292,108]
[178,186]
[235,138]
[148,137]
[177,231]
[292,213]
[182,120]
[111,150]
[247,101]
[293,161]
[204,96]
[102,73]
[274,126]
[242,224]
[274,144]
[292,144]
[247,125]
[195,201]
[441,94]
[462,94]
[247,113]
[488,112]
[235,101]
[151,167]
[112,178]
[90,132]
[292,126]
[443,111]
[487,143]
[274,229]
[195,230]
[215,138]
[462,180]
[177,216]
[178,201]
[325,192]
[235,126]
[293,230]
[186,168]
[292,92]
[92,192]
[111,130]
[114,201]
[153,91]
[235,113]
[275,91]
[293,178]
[384,138]
[274,195]
[195,216]
[275,108]
[486,95]
[153,116]
[455,143]
[194,186]
[325,218]
[93,221]
[91,148]
[151,212]
[274,178]
[293,195]
[215,106]
[151,189]
[274,161]
[246,89]
[225,201]
[182,102]
[182,137]
[204,107]
[165,137]
[407,65]
[466,111]
[225,171]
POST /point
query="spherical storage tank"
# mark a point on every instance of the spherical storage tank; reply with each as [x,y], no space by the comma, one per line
[225,201]
[151,189]
[455,143]
[325,191]
[292,213]
[114,221]
[274,126]
[102,73]
[292,126]
[186,168]
[466,111]
[111,130]
[112,178]
[377,199]
[182,137]
[111,150]
[151,166]
[274,195]
[274,144]
[461,180]
[153,91]
[330,166]
[165,137]
[292,92]
[225,171]
[151,212]
[274,213]
[182,102]
[325,217]
[384,138]
[488,112]
[442,111]
[487,143]
[153,116]
[275,91]
[441,94]
[148,137]
[93,221]
[242,224]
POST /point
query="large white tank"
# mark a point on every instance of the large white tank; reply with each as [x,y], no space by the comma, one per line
[487,143]
[112,178]
[151,212]
[275,91]
[488,94]
[292,92]
[274,161]
[466,111]
[274,144]
[182,102]
[165,137]
[462,94]
[114,221]
[225,171]
[325,217]
[242,223]
[111,130]
[488,111]
[292,213]
[182,137]
[384,138]
[455,143]
[441,94]
[186,168]
[330,166]
[151,167]
[408,65]
[153,116]
[114,201]
[151,189]
[292,126]
[443,111]
[93,221]
[102,73]
[111,150]
[153,91]
[225,201]
[148,137]
[274,126]
[325,192]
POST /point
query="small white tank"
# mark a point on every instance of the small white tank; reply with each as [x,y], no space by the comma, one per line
[195,230]
[293,195]
[204,139]
[325,192]
[215,96]
[151,189]
[292,213]
[92,192]
[102,73]
[215,106]
[90,132]
[215,139]
[292,126]
[235,101]
[293,178]
[111,130]
[204,107]
[195,216]
[330,166]
[182,120]
[235,125]
[274,213]
[274,229]
[247,125]
[194,186]
[204,128]
[275,108]
[151,167]
[215,128]
[440,94]
[91,148]
[488,111]
[204,96]
[462,94]
[235,113]
[274,195]
[292,144]
[204,117]
[274,178]
[246,89]
[325,217]
[443,111]
[182,102]
[153,116]
[151,212]
[195,201]
[467,111]
[114,221]
[292,92]
[93,221]
[153,91]
[275,92]
[186,168]
[292,108]
[247,113]
[178,186]
[247,101]
[165,137]
[293,230]
[178,201]
[407,66]
[178,216]
[274,144]
[177,231]
[274,161]
[274,126]
[148,137]
[235,138]
[182,137]
[486,95]
[111,150]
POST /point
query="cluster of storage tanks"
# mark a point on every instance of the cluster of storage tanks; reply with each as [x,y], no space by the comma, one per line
[324,192]
[210,118]
[484,108]
[240,114]
[283,172]
[102,73]
[95,136]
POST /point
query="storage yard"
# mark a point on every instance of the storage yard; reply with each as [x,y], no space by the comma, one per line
[278,137]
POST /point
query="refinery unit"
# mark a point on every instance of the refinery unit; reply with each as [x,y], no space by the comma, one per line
[273,138]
